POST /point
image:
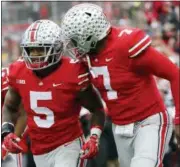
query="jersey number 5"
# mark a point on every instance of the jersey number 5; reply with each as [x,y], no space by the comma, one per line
[34,97]
[103,70]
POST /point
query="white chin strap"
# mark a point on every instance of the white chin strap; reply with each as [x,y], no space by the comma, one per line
[90,66]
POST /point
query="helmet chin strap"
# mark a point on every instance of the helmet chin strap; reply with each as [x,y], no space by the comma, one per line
[90,67]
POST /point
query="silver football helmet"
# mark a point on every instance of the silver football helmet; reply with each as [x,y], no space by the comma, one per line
[46,35]
[83,26]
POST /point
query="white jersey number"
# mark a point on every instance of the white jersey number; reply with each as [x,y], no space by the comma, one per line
[126,31]
[103,70]
[34,97]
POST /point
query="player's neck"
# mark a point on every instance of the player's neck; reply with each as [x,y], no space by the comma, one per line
[45,72]
[102,44]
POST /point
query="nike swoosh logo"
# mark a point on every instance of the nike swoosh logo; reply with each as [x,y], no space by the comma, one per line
[55,85]
[109,59]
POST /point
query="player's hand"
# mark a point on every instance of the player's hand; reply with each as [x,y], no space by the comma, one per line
[14,144]
[177,132]
[90,148]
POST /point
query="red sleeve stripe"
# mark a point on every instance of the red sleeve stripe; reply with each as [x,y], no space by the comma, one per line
[140,46]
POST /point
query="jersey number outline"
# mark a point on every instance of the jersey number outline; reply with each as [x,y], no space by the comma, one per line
[103,70]
[34,98]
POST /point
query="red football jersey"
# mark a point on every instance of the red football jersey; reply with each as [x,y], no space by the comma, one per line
[51,103]
[4,84]
[130,96]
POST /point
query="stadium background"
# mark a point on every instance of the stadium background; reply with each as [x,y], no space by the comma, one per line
[159,19]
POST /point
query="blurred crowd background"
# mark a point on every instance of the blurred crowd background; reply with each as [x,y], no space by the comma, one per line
[160,19]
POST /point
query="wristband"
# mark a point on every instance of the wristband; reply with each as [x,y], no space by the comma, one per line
[7,128]
[96,130]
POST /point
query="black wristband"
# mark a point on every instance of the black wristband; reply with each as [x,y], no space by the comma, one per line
[6,129]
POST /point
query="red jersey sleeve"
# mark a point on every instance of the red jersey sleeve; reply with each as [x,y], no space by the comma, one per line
[83,77]
[153,62]
[78,73]
[4,79]
[12,76]
[138,41]
[4,84]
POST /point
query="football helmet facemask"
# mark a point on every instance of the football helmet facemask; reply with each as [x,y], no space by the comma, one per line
[46,36]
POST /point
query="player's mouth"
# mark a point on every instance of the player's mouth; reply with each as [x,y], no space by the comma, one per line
[37,59]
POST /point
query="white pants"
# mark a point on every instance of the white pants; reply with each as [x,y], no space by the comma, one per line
[149,143]
[66,155]
[13,160]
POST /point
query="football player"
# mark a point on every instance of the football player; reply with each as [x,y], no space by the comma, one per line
[52,88]
[122,63]
[14,160]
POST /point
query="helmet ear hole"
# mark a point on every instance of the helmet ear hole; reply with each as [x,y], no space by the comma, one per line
[93,44]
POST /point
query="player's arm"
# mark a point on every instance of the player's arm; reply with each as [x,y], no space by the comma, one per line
[10,112]
[153,62]
[145,58]
[91,100]
[11,142]
[11,105]
[21,121]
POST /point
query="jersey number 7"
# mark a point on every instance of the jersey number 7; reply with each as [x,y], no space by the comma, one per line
[103,70]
